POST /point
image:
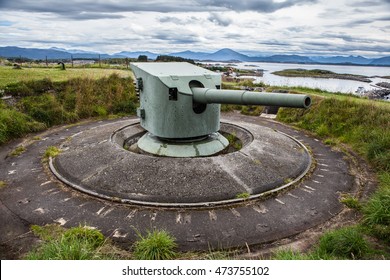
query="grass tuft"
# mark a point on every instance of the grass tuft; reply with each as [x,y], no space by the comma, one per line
[155,245]
[52,152]
[347,243]
[79,243]
[2,184]
[18,151]
[351,202]
[243,195]
[48,232]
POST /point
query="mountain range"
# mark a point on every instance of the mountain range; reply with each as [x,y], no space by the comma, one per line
[221,55]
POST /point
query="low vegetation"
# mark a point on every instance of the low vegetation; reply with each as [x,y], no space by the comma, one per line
[15,124]
[40,104]
[86,243]
[51,152]
[18,151]
[155,245]
[9,76]
[2,184]
[363,125]
[243,195]
[78,243]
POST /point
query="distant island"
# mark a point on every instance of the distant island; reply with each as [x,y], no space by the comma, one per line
[223,55]
[318,73]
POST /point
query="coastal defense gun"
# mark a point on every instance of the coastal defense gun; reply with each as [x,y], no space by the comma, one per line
[180,108]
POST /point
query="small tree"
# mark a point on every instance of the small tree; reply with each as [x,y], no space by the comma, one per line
[142,58]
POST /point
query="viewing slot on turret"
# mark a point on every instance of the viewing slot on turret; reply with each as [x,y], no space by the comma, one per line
[180,108]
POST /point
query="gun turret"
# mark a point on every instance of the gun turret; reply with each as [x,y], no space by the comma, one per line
[180,102]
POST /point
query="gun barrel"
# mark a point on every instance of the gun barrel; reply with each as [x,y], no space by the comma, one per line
[244,97]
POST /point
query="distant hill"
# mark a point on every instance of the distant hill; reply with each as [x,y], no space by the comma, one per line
[381,61]
[53,53]
[221,55]
[342,59]
[190,55]
[226,55]
[287,59]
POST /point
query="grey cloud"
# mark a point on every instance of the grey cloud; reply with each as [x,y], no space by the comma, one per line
[70,7]
[368,3]
[358,22]
[266,6]
[177,20]
[219,19]
[296,29]
[386,18]
[331,48]
[231,35]
[99,6]
[366,21]
[174,38]
[92,16]
[274,43]
[346,38]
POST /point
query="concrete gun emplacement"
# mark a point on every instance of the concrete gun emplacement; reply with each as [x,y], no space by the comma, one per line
[181,102]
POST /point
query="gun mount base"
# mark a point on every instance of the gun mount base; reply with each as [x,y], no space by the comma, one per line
[202,147]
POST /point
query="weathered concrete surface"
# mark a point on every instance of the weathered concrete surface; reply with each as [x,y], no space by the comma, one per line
[33,196]
[92,163]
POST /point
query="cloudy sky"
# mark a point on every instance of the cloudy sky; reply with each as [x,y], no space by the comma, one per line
[309,27]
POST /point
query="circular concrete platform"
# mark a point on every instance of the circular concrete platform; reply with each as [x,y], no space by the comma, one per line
[32,195]
[95,162]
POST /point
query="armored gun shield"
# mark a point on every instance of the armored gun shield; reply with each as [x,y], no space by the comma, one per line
[167,108]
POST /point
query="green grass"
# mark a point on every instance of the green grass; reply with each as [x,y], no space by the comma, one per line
[351,202]
[77,243]
[155,245]
[2,184]
[377,210]
[344,243]
[52,152]
[8,75]
[348,243]
[244,195]
[234,141]
[18,151]
[289,254]
[363,124]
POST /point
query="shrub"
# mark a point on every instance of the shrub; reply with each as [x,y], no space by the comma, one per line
[15,124]
[156,245]
[46,109]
